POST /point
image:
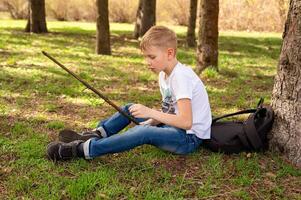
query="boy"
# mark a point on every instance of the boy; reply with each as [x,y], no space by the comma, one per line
[184,122]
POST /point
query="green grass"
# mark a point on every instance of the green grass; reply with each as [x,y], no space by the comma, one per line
[37,99]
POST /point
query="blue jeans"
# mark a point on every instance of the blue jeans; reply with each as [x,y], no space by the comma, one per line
[165,137]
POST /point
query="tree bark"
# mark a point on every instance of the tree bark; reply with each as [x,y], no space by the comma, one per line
[138,20]
[207,50]
[37,17]
[286,100]
[191,23]
[103,28]
[146,17]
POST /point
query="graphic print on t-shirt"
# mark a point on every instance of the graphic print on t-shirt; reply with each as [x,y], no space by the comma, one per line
[167,103]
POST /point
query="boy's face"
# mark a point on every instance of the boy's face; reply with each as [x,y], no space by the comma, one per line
[157,58]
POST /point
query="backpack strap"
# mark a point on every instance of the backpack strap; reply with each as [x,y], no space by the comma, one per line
[260,102]
[259,105]
[233,114]
[251,132]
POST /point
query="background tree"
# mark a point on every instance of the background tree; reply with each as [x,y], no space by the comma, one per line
[191,23]
[146,17]
[37,17]
[286,100]
[282,9]
[207,50]
[138,20]
[17,9]
[103,28]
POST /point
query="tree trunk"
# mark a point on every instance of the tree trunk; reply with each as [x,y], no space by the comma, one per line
[191,23]
[27,28]
[138,20]
[146,17]
[37,17]
[103,28]
[207,50]
[286,101]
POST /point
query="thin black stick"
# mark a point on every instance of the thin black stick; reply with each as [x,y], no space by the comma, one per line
[131,118]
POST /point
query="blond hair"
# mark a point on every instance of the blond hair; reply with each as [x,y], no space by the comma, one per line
[159,36]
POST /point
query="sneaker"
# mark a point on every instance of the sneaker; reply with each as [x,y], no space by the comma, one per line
[67,135]
[65,151]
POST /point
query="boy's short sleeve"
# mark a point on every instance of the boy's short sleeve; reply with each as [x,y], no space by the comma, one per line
[182,86]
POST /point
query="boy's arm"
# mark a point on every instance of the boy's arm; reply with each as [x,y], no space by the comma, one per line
[182,120]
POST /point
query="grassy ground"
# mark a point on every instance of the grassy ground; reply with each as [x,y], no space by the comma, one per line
[37,99]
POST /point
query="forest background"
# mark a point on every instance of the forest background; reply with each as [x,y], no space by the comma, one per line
[239,15]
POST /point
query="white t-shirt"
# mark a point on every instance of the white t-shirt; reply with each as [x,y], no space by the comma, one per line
[184,83]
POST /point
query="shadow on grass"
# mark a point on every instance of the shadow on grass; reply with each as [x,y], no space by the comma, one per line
[254,47]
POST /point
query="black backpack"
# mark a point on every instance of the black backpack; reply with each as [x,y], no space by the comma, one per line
[237,136]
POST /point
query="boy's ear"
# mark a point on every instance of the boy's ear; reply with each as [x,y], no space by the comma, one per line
[170,52]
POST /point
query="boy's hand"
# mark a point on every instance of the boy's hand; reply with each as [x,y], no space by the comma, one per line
[140,111]
[151,122]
